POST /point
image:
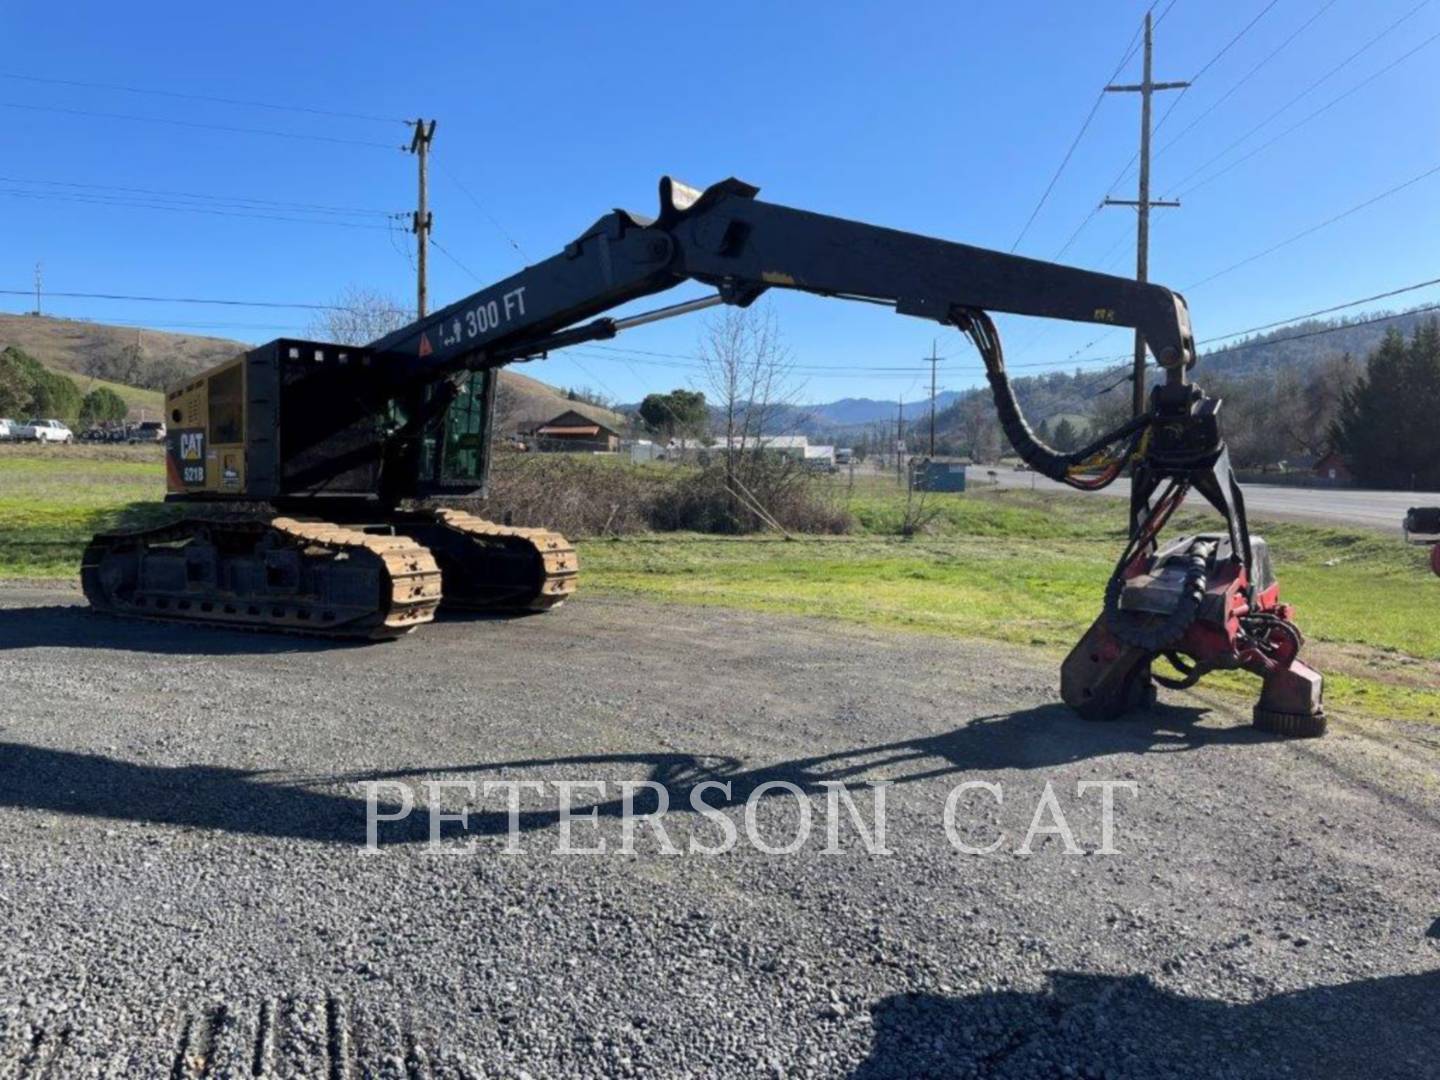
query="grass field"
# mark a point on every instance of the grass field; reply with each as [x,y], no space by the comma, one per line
[52,498]
[1014,566]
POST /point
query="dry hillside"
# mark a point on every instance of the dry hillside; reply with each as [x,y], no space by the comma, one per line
[71,345]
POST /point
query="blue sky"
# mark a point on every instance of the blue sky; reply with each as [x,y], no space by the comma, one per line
[943,118]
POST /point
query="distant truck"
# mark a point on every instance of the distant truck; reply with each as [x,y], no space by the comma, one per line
[149,431]
[844,455]
[46,431]
[8,429]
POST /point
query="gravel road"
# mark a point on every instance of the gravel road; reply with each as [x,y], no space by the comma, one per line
[185,891]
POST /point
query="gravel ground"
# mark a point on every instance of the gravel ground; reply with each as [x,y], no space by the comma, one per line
[185,892]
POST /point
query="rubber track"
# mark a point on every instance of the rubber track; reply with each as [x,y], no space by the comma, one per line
[414,577]
[561,566]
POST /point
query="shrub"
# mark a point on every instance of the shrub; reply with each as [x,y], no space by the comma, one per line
[591,496]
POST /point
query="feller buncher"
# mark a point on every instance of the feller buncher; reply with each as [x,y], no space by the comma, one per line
[320,479]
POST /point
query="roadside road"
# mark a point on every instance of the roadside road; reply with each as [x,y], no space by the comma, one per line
[1383,510]
[184,888]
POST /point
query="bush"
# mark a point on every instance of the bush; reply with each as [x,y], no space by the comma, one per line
[709,502]
[28,389]
[102,405]
[591,496]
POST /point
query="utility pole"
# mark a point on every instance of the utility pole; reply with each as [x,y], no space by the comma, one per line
[39,274]
[421,222]
[934,360]
[900,441]
[1143,203]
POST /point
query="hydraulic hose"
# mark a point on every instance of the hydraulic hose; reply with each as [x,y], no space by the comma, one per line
[1146,631]
[1046,460]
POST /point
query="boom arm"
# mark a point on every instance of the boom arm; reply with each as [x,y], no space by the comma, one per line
[727,238]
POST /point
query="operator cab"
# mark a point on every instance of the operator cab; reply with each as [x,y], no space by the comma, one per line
[296,420]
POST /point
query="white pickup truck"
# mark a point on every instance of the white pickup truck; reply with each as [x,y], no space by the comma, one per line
[44,431]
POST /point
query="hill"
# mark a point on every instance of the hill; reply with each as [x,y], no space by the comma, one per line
[1264,354]
[76,348]
[525,401]
[850,412]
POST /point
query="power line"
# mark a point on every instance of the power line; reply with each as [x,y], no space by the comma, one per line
[187,300]
[236,199]
[1388,317]
[1247,76]
[168,324]
[1323,108]
[481,207]
[443,251]
[1327,330]
[1316,228]
[1193,79]
[101,200]
[232,129]
[1324,311]
[1084,127]
[200,97]
[1308,90]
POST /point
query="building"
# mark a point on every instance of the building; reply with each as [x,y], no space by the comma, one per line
[574,432]
[1332,471]
[791,446]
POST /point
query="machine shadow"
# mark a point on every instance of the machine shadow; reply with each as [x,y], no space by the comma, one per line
[310,808]
[76,626]
[191,796]
[1104,1025]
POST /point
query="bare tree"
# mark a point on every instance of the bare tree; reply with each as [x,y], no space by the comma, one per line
[751,377]
[979,431]
[1308,404]
[358,316]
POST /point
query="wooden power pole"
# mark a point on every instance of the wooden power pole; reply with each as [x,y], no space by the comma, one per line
[1145,88]
[934,360]
[420,224]
[900,440]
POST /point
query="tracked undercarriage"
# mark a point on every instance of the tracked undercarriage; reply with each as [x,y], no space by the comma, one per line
[354,580]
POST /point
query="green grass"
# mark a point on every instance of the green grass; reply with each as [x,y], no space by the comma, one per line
[1014,566]
[1028,568]
[51,500]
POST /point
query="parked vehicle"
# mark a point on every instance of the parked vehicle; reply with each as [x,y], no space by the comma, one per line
[148,431]
[8,429]
[49,431]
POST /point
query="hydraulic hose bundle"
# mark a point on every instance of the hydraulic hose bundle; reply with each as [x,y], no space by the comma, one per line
[1089,469]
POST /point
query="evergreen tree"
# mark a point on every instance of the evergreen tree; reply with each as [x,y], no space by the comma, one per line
[1388,426]
[1066,437]
[102,405]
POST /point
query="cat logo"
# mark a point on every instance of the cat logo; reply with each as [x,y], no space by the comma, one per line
[186,460]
